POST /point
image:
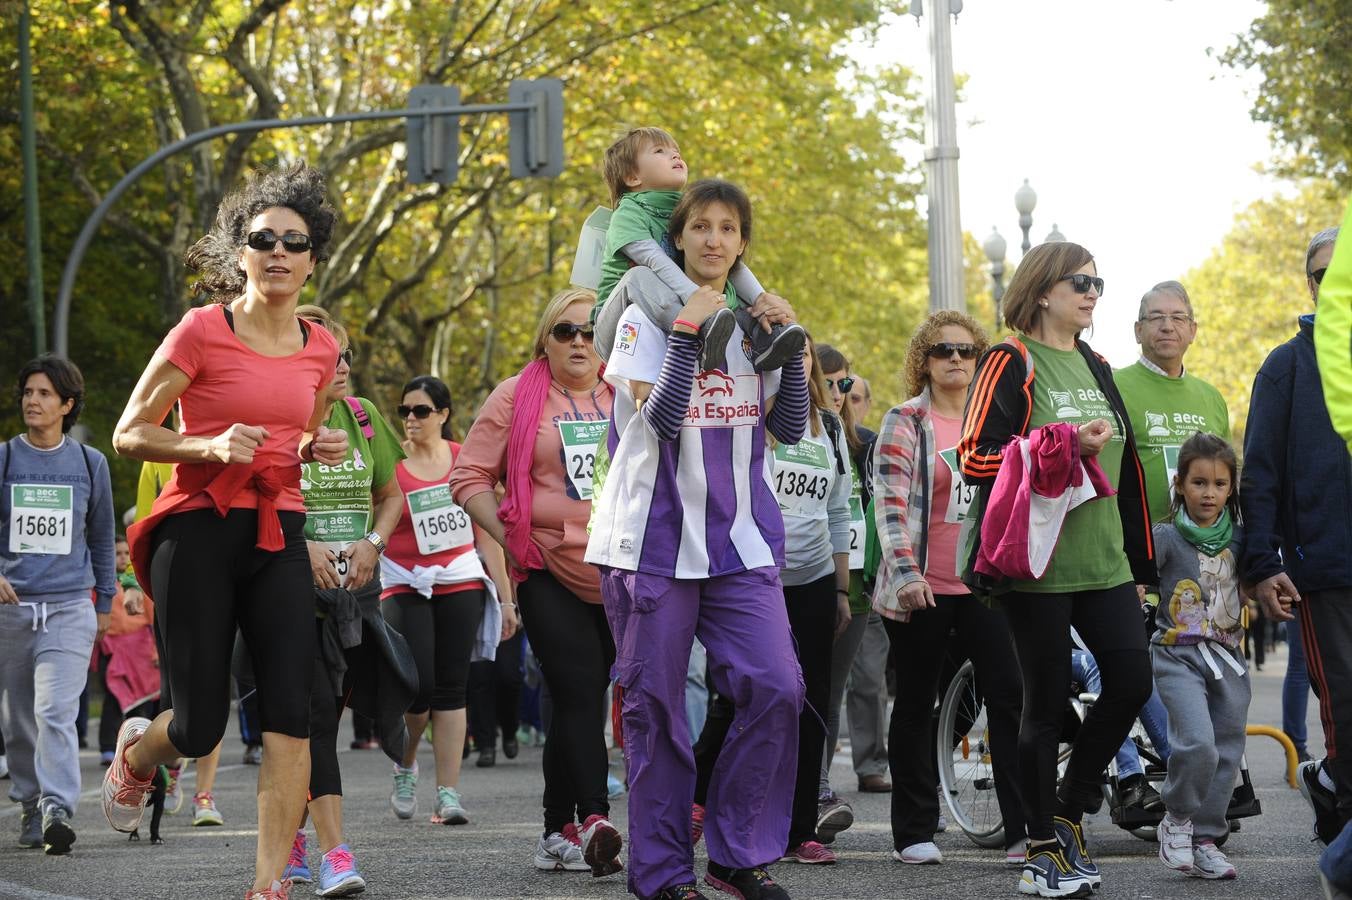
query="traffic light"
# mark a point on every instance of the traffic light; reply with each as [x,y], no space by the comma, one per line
[433,141]
[536,145]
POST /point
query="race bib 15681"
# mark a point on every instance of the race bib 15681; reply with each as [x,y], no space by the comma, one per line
[40,518]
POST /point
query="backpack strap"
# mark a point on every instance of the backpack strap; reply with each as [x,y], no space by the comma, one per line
[363,419]
[833,428]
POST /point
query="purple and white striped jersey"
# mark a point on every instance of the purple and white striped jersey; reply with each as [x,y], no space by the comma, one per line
[688,493]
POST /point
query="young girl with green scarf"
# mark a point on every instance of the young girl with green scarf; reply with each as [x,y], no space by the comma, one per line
[1199,669]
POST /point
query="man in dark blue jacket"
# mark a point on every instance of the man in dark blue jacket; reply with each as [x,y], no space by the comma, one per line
[1296,494]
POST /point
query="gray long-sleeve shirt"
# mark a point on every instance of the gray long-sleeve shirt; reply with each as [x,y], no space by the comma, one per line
[812,539]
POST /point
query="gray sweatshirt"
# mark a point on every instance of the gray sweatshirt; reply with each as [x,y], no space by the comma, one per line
[807,479]
[64,495]
[1199,594]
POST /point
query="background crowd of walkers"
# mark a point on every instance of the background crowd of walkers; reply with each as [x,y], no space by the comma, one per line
[697,534]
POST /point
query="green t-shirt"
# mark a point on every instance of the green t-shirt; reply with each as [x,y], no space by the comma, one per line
[338,498]
[1089,554]
[1165,412]
[639,216]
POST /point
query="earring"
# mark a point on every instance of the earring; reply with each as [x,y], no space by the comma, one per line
[1043,303]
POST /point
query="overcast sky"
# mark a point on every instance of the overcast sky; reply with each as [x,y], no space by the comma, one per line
[1139,144]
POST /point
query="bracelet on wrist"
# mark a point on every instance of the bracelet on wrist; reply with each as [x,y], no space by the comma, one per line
[686,323]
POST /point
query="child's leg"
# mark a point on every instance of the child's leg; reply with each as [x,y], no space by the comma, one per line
[641,287]
[1182,679]
[1228,698]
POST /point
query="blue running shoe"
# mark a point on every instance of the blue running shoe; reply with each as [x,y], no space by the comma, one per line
[1071,837]
[297,870]
[1047,873]
[338,875]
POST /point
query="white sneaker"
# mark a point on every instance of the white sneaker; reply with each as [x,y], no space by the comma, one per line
[124,795]
[1209,862]
[1175,843]
[919,854]
[558,854]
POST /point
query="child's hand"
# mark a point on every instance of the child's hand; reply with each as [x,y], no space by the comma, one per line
[702,304]
[772,309]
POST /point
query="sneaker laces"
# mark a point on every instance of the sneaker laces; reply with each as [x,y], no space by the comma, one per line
[340,860]
[128,790]
[204,799]
[569,834]
[297,859]
[405,784]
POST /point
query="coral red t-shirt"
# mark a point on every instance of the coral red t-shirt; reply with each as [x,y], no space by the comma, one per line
[433,529]
[231,382]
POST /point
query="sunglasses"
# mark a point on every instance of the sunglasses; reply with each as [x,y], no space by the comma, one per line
[1318,275]
[421,411]
[1081,284]
[841,384]
[945,349]
[265,240]
[347,356]
[566,331]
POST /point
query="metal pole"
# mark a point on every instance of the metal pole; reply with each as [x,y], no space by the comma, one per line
[32,230]
[941,158]
[61,321]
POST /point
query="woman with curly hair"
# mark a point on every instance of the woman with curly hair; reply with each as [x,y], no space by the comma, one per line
[920,504]
[224,545]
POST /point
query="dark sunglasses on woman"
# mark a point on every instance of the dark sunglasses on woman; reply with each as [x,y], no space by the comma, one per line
[347,356]
[265,240]
[1080,284]
[1318,275]
[945,349]
[421,411]
[841,384]
[566,331]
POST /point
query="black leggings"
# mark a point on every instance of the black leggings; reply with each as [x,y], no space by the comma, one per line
[812,619]
[572,643]
[325,710]
[440,631]
[1109,622]
[208,578]
[918,650]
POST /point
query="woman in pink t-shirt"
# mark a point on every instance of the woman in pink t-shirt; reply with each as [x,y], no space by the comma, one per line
[920,504]
[224,546]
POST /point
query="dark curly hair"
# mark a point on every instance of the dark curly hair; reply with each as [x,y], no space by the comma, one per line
[299,188]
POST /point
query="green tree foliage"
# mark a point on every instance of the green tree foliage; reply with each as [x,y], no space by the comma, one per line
[451,279]
[1304,50]
[1248,293]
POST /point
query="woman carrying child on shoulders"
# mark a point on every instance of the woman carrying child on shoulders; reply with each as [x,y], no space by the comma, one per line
[1199,668]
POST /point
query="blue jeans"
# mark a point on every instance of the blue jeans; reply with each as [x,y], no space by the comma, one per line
[1295,686]
[1153,716]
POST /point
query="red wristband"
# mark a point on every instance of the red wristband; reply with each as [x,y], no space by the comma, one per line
[691,325]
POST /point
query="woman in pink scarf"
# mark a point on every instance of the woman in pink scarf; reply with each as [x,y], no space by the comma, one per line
[537,435]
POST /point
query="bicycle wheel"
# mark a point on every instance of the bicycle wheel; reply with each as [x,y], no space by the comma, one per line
[964,759]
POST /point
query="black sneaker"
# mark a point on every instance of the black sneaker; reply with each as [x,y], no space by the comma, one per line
[745,884]
[510,746]
[57,835]
[680,892]
[1323,801]
[716,332]
[783,345]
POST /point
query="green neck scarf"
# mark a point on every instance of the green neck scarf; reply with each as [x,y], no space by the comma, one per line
[656,203]
[1211,540]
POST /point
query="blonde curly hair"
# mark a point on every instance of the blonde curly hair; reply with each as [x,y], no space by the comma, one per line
[916,369]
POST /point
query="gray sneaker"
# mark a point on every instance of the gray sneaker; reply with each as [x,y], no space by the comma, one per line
[716,332]
[57,835]
[30,826]
[404,800]
[449,810]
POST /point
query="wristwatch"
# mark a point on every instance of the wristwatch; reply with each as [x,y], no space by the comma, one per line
[376,541]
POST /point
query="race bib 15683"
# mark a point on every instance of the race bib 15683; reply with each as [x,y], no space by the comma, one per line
[438,523]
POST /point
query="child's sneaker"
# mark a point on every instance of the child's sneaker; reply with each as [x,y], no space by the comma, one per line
[204,811]
[1071,837]
[784,344]
[338,875]
[449,810]
[601,844]
[404,799]
[560,852]
[1175,843]
[297,870]
[1047,873]
[1209,862]
[716,332]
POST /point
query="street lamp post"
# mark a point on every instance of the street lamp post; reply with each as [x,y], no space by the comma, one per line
[1054,235]
[995,247]
[1025,200]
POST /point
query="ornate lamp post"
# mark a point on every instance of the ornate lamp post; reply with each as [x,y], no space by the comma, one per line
[995,247]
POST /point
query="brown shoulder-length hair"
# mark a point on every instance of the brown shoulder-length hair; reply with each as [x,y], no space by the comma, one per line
[1041,268]
[916,368]
[832,360]
[702,193]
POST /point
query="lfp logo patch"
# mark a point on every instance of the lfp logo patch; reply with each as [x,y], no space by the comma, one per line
[627,340]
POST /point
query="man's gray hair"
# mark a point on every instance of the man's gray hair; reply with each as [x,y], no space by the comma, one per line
[1321,240]
[1166,287]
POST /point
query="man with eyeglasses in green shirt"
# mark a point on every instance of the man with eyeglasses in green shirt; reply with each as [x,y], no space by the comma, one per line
[1166,403]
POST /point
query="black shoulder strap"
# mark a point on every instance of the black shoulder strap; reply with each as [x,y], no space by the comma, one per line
[833,430]
[230,320]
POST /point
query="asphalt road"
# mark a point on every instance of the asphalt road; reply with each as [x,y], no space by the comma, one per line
[490,858]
